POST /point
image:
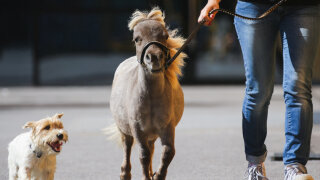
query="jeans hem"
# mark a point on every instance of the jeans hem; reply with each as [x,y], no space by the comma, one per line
[256,159]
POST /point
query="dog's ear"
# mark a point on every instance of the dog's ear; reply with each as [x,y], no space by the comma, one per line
[30,124]
[58,115]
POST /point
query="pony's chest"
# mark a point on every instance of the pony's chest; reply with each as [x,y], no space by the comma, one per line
[154,105]
[154,112]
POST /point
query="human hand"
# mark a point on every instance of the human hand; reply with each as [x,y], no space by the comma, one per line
[204,14]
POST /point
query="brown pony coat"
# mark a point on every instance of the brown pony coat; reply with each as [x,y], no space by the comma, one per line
[147,105]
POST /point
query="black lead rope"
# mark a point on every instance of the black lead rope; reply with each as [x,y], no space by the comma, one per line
[196,29]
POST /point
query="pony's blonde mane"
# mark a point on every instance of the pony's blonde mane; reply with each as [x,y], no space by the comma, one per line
[174,41]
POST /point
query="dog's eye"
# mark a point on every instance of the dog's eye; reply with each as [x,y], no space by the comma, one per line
[47,127]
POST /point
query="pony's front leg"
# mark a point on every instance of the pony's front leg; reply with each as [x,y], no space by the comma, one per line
[145,160]
[127,142]
[151,146]
[145,152]
[168,152]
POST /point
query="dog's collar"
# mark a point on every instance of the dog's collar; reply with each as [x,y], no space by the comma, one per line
[37,153]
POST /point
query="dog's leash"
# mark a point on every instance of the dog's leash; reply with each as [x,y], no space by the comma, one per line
[196,29]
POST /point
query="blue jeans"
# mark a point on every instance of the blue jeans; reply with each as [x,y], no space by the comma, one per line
[299,31]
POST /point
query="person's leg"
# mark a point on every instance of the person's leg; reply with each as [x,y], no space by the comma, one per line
[257,40]
[300,36]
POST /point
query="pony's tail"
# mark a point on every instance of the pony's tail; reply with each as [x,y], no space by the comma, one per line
[113,133]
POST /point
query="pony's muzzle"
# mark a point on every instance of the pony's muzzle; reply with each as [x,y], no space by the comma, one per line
[154,54]
[155,58]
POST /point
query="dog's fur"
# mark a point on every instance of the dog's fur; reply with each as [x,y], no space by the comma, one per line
[32,155]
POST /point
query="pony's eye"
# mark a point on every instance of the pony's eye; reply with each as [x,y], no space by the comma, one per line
[137,39]
[47,127]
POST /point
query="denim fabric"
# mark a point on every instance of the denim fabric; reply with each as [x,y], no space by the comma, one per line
[299,30]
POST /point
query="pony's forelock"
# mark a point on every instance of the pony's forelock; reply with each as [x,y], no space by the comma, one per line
[174,41]
[139,16]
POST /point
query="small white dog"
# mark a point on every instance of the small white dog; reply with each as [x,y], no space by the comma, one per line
[32,155]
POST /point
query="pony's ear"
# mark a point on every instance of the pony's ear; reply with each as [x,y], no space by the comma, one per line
[30,124]
[58,115]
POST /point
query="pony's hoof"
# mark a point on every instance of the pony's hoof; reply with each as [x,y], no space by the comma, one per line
[125,177]
[157,176]
[152,178]
[146,178]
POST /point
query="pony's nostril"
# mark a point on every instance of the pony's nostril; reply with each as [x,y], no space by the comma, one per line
[152,57]
[148,57]
[60,136]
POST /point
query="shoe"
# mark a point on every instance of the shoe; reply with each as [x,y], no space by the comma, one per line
[296,171]
[256,172]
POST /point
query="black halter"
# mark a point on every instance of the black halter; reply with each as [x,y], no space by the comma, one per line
[164,48]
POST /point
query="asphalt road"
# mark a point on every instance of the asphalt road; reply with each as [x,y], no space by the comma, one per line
[209,142]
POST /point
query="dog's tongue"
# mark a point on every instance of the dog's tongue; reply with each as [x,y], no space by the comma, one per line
[57,145]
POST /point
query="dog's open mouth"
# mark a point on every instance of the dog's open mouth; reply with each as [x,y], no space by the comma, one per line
[56,146]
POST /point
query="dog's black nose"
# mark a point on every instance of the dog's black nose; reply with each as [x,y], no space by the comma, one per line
[60,136]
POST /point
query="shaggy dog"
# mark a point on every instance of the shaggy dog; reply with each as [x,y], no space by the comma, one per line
[32,155]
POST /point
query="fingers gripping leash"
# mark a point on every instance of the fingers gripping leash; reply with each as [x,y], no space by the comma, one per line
[270,10]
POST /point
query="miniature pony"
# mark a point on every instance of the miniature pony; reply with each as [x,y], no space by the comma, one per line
[147,100]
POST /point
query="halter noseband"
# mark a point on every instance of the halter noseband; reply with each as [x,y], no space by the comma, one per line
[164,48]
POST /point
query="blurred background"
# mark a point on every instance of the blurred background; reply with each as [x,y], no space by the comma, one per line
[59,56]
[66,42]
